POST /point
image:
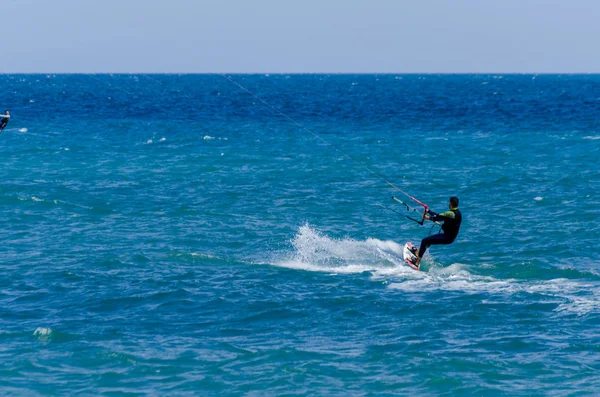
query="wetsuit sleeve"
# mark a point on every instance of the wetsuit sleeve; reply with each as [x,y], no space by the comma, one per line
[441,217]
[4,116]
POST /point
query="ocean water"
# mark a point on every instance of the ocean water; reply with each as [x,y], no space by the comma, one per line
[190,235]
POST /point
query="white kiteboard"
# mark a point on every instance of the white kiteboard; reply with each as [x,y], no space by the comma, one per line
[409,257]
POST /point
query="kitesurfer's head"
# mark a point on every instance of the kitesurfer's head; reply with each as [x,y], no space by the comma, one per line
[453,202]
[7,112]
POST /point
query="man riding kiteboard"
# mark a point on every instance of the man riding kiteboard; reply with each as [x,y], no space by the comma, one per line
[451,225]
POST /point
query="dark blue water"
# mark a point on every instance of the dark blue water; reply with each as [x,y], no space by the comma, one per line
[175,235]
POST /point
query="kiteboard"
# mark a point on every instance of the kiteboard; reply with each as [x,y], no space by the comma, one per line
[409,257]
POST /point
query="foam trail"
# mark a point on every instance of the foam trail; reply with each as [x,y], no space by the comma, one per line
[570,296]
[314,251]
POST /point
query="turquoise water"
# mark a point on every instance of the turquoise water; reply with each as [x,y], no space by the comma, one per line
[173,235]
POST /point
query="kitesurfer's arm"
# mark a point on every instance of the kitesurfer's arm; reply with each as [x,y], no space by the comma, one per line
[435,217]
[5,116]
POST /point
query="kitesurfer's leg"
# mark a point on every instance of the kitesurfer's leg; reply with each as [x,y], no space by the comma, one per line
[436,239]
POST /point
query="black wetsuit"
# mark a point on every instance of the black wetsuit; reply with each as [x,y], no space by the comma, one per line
[3,122]
[452,220]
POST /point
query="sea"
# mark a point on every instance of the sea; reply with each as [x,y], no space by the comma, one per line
[235,235]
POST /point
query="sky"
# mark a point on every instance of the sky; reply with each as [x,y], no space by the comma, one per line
[300,36]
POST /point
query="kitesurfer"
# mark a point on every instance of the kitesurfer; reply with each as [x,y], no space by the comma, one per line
[451,225]
[4,121]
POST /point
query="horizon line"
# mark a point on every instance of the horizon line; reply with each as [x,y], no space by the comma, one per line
[304,73]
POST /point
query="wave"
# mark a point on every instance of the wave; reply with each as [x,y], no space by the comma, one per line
[314,251]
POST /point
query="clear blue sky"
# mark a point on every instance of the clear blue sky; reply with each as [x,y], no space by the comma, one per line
[300,36]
